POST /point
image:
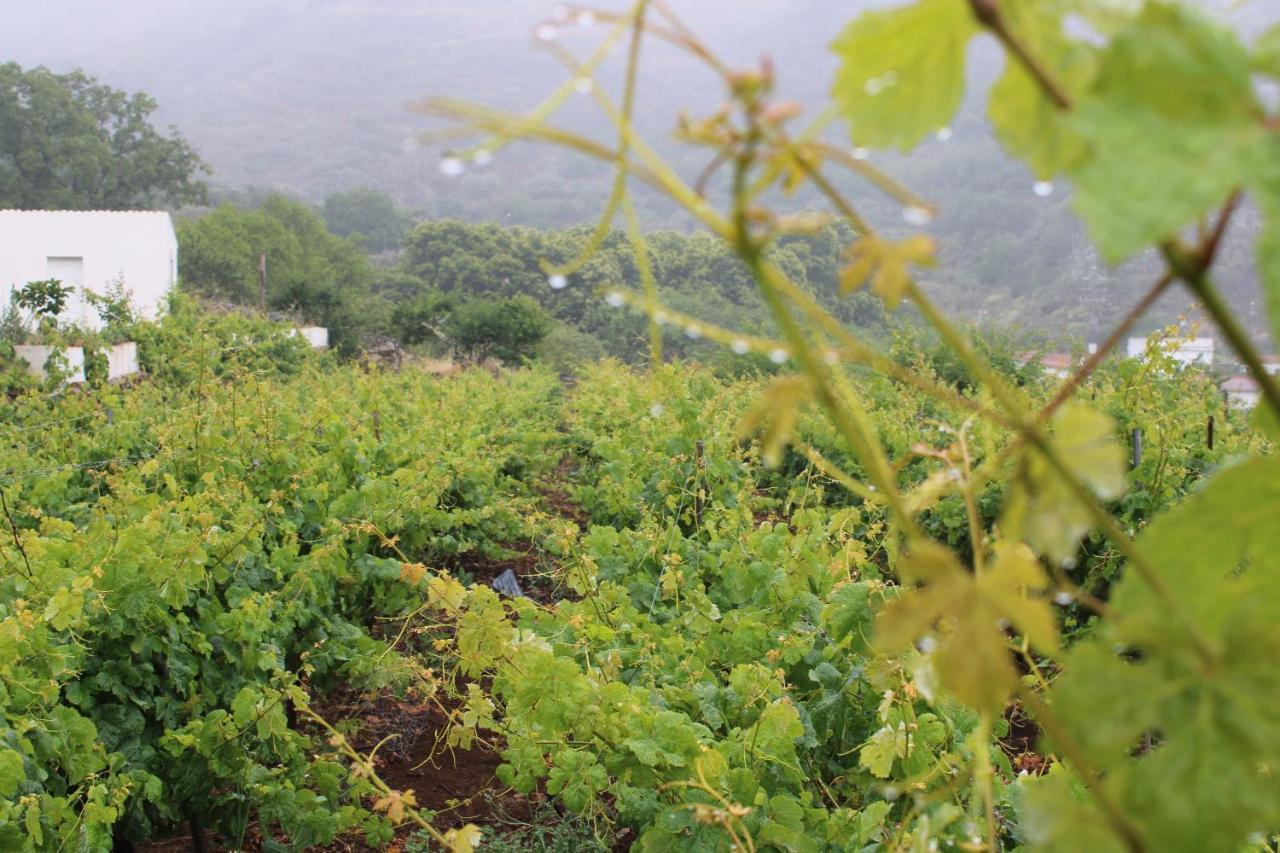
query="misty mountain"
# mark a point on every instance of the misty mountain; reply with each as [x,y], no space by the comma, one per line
[310,97]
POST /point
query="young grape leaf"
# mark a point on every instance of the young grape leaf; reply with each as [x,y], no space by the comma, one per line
[1042,509]
[901,71]
[1172,126]
[887,264]
[1024,119]
[776,412]
[971,613]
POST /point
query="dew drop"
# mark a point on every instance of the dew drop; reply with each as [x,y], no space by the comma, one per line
[482,157]
[452,166]
[661,317]
[1063,598]
[860,153]
[583,86]
[586,18]
[557,281]
[944,134]
[615,299]
[873,86]
[779,355]
[546,32]
[693,331]
[740,347]
[914,214]
[656,410]
[927,645]
[1043,189]
[1069,563]
[890,793]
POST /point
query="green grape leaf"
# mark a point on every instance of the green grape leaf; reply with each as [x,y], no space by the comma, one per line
[971,614]
[880,751]
[1266,52]
[1056,816]
[848,615]
[1172,127]
[1202,728]
[1025,121]
[1042,508]
[1267,190]
[12,772]
[901,71]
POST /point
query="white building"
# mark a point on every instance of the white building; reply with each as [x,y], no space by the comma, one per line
[1190,351]
[90,249]
[1243,392]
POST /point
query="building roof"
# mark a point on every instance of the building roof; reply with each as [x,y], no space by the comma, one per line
[1057,360]
[1241,384]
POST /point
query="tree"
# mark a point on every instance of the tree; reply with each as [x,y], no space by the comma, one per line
[368,215]
[507,329]
[310,271]
[68,142]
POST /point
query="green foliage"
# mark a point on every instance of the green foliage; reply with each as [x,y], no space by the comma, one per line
[310,272]
[902,71]
[507,329]
[369,216]
[73,143]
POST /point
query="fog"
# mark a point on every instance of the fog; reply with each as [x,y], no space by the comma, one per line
[310,97]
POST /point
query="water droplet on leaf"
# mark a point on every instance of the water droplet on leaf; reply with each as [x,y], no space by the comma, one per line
[779,355]
[1063,598]
[1043,189]
[452,166]
[693,330]
[546,32]
[615,299]
[944,134]
[583,86]
[914,214]
[557,281]
[860,153]
[586,18]
[740,346]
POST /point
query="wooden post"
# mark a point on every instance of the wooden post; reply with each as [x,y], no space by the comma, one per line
[699,478]
[262,282]
[1209,432]
[1137,446]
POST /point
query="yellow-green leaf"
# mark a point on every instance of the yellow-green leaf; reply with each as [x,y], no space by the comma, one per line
[901,71]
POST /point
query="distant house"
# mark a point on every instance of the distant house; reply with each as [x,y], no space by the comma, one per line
[93,250]
[1243,392]
[1193,351]
[1059,364]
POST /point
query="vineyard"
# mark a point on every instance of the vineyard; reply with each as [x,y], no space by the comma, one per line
[830,590]
[199,568]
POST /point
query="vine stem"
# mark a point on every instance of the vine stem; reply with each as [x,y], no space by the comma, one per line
[1063,741]
[989,14]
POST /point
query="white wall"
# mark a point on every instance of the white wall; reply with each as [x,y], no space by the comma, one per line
[138,246]
[1193,351]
